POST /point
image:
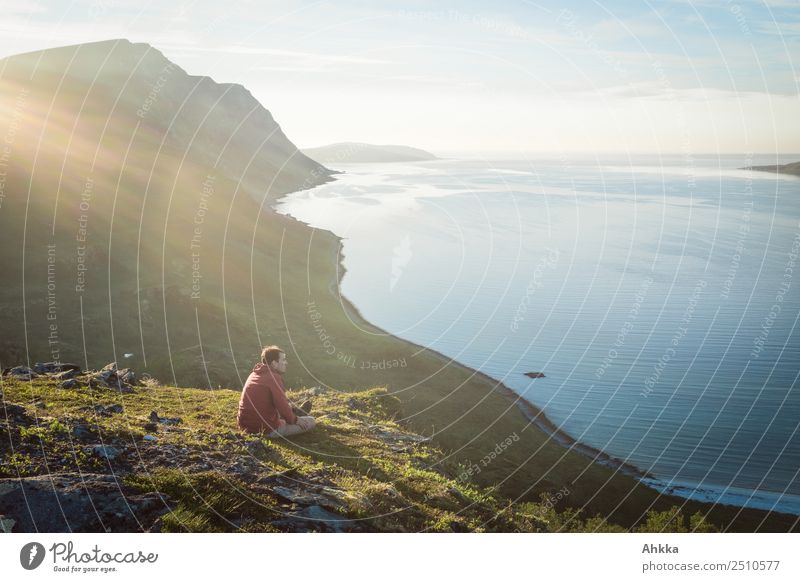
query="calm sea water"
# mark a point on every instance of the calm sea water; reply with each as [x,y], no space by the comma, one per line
[658,296]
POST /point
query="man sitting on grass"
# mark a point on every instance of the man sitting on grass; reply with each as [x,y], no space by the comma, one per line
[263,406]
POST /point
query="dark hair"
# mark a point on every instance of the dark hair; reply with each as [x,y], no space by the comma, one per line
[270,354]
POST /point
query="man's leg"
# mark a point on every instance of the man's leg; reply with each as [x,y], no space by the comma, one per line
[304,424]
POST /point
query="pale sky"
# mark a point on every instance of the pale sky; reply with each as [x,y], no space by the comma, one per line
[515,76]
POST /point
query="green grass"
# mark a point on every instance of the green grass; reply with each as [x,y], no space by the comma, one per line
[386,483]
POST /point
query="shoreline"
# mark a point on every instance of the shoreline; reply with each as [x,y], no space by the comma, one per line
[533,414]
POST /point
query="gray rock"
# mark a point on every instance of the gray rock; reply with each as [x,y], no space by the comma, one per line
[21,373]
[55,368]
[66,374]
[80,432]
[16,412]
[71,502]
[326,519]
[109,368]
[127,375]
[388,435]
[154,417]
[108,410]
[107,378]
[70,384]
[299,496]
[149,437]
[7,524]
[105,451]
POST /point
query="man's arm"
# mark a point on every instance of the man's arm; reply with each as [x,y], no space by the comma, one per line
[282,404]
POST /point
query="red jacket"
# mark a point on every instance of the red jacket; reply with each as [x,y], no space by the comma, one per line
[263,402]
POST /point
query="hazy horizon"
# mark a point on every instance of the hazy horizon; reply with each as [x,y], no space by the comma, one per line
[537,78]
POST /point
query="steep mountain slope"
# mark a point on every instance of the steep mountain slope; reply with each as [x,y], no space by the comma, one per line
[131,190]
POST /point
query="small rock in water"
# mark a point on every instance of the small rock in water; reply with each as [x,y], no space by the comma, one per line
[534,374]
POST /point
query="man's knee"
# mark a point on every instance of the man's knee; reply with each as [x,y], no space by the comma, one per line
[306,422]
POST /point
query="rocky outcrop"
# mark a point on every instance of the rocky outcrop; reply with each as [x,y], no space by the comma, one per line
[73,502]
[70,376]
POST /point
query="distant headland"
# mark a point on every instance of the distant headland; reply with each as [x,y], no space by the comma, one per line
[364,153]
[793,169]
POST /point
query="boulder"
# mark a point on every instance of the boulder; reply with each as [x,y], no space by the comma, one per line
[20,373]
[17,413]
[66,374]
[105,451]
[7,524]
[55,368]
[108,410]
[305,497]
[154,417]
[72,502]
[127,375]
[80,432]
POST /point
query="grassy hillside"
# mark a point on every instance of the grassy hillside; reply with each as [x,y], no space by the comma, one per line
[135,227]
[187,468]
